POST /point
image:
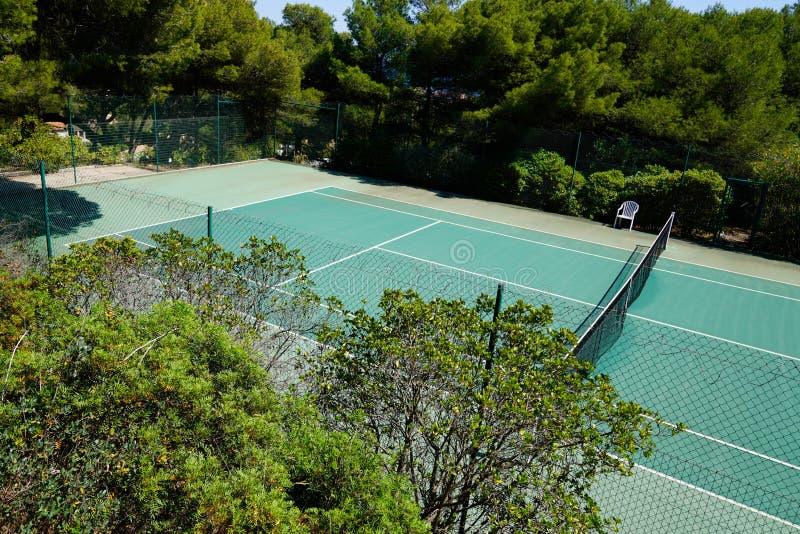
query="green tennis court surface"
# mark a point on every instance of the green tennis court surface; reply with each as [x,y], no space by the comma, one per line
[716,350]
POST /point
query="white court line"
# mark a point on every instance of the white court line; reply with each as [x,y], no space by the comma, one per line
[376,206]
[480,275]
[731,445]
[273,198]
[767,351]
[118,232]
[717,496]
[728,285]
[548,233]
[533,241]
[360,252]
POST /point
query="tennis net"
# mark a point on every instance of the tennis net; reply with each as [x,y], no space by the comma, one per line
[605,323]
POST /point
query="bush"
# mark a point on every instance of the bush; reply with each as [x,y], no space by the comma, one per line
[780,225]
[111,154]
[695,197]
[242,153]
[544,180]
[698,197]
[27,141]
[600,194]
[162,423]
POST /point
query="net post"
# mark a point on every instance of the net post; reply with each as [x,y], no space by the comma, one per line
[72,140]
[210,227]
[669,230]
[46,211]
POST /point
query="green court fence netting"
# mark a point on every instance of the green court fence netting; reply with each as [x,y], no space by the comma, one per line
[737,394]
[102,137]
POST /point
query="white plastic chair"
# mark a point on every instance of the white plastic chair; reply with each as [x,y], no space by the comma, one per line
[627,211]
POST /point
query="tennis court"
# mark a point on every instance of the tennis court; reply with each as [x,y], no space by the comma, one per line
[711,348]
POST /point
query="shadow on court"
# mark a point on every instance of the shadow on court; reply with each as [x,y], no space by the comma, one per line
[22,201]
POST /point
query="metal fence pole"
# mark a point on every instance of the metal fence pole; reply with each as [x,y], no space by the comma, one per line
[46,211]
[275,133]
[686,161]
[336,140]
[210,222]
[572,180]
[219,152]
[72,140]
[498,302]
[155,129]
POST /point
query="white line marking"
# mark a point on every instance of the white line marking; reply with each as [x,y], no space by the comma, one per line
[480,275]
[784,282]
[666,256]
[728,285]
[492,232]
[360,252]
[767,351]
[375,206]
[731,445]
[273,198]
[717,496]
[118,232]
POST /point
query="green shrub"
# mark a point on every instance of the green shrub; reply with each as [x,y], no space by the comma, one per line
[161,422]
[600,194]
[698,197]
[242,153]
[544,180]
[780,225]
[111,154]
[695,197]
[27,141]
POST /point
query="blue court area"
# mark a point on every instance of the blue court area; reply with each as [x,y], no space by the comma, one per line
[715,350]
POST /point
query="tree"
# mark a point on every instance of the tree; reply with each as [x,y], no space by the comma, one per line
[506,440]
[162,423]
[28,83]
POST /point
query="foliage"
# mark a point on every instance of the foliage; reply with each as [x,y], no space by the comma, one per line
[111,154]
[161,422]
[600,193]
[781,224]
[509,440]
[695,196]
[544,180]
[266,284]
[27,141]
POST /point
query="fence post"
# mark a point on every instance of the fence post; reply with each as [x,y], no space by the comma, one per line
[498,302]
[759,214]
[572,180]
[275,133]
[210,232]
[336,140]
[46,211]
[155,128]
[219,152]
[72,140]
[686,161]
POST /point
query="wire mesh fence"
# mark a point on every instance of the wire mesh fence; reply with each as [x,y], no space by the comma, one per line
[737,462]
[734,393]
